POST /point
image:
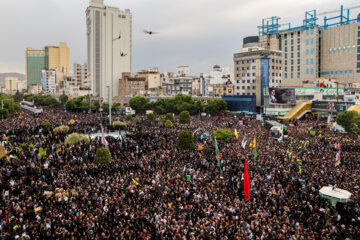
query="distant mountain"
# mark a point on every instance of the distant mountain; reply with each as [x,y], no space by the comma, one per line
[20,76]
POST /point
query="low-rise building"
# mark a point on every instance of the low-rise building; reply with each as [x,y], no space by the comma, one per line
[131,84]
[180,85]
[223,89]
[49,81]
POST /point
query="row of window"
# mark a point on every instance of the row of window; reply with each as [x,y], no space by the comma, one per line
[246,68]
[358,50]
[309,70]
[337,72]
[244,81]
[292,75]
[246,94]
[246,61]
[248,87]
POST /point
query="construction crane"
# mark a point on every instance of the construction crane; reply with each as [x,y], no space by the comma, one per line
[334,11]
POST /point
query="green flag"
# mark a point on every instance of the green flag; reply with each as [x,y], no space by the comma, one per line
[217,152]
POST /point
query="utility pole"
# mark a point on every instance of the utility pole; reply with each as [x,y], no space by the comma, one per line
[109,90]
[337,98]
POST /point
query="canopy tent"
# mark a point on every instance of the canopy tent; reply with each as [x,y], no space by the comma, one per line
[335,194]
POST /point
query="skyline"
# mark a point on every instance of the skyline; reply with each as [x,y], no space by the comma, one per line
[199,37]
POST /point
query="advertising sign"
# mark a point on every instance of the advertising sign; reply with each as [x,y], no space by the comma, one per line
[282,96]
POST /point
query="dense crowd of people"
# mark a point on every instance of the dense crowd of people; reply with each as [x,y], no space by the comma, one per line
[152,190]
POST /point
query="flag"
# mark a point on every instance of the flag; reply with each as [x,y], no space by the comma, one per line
[291,125]
[217,152]
[236,134]
[136,183]
[243,143]
[329,119]
[103,139]
[338,156]
[246,181]
[254,148]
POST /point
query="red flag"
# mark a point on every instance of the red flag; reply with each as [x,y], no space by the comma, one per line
[246,181]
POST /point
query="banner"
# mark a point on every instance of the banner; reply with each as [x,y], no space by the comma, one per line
[282,96]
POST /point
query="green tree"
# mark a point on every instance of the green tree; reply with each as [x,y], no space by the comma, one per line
[105,107]
[46,123]
[186,140]
[138,103]
[184,117]
[169,116]
[63,99]
[4,113]
[137,119]
[216,106]
[168,124]
[128,118]
[102,156]
[18,96]
[161,119]
[150,117]
[223,134]
[349,120]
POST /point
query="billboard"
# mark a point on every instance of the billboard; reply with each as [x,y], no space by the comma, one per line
[282,96]
[264,77]
[331,105]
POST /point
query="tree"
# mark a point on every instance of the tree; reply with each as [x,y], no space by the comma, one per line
[2,152]
[138,103]
[105,107]
[223,134]
[168,124]
[184,117]
[161,119]
[128,118]
[102,156]
[61,129]
[349,120]
[169,116]
[4,113]
[186,140]
[137,119]
[74,138]
[216,106]
[46,123]
[151,117]
[63,99]
[18,96]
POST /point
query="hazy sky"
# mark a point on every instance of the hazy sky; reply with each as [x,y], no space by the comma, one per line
[198,33]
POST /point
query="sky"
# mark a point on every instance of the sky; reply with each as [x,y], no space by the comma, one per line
[196,33]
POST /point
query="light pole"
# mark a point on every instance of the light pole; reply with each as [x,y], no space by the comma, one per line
[337,98]
[112,75]
[109,104]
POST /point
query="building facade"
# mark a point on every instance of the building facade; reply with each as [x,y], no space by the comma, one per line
[49,81]
[109,46]
[131,84]
[256,68]
[81,75]
[58,58]
[313,50]
[179,85]
[34,64]
[218,75]
[223,89]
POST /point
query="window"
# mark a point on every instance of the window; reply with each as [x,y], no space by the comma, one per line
[285,55]
[285,42]
[237,62]
[285,75]
[285,62]
[243,81]
[358,57]
[312,31]
[248,87]
[298,40]
[311,70]
[254,87]
[292,41]
[248,68]
[307,61]
[292,48]
[307,41]
[292,62]
[311,61]
[238,81]
[248,74]
[272,81]
[254,81]
[298,75]
[285,49]
[312,41]
[285,69]
[292,55]
[292,68]
[298,47]
[243,87]
[253,67]
[237,75]
[307,71]
[312,51]
[254,60]
[298,54]
[243,68]
[298,61]
[307,32]
[292,75]
[243,74]
[358,49]
[254,74]
[248,81]
[307,51]
[237,87]
[298,68]
[358,65]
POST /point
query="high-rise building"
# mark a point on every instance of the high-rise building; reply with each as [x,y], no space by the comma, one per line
[49,81]
[12,84]
[255,69]
[58,58]
[312,51]
[34,64]
[49,58]
[81,75]
[109,46]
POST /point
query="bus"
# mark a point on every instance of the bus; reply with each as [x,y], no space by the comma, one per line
[31,108]
[277,130]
